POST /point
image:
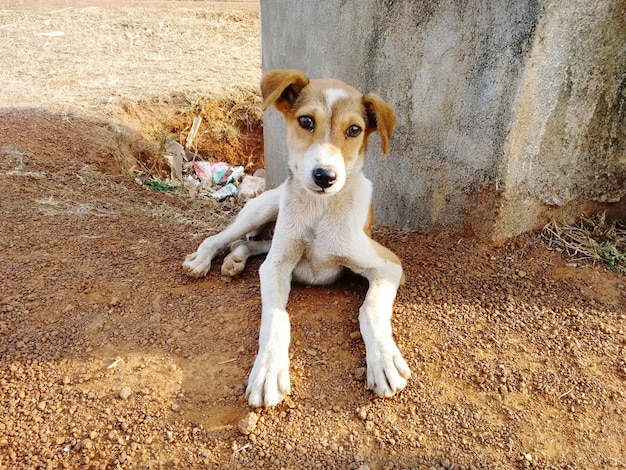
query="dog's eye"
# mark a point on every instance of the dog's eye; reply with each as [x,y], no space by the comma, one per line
[353,131]
[306,122]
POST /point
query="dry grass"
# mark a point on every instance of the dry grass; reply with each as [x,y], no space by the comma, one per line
[233,128]
[106,56]
[152,69]
[591,239]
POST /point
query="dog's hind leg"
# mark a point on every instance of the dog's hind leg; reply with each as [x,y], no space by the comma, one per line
[255,214]
[240,251]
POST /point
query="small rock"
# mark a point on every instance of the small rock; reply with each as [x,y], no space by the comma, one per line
[175,407]
[355,335]
[86,444]
[521,273]
[360,374]
[248,424]
[250,187]
[124,393]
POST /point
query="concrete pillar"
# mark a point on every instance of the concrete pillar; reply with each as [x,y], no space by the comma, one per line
[506,110]
[566,152]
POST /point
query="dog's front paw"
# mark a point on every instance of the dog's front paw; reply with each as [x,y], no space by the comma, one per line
[269,381]
[197,264]
[387,371]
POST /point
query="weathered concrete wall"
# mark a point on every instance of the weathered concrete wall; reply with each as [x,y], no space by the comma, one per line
[567,147]
[504,108]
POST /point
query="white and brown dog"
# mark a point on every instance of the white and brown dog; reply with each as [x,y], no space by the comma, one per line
[323,217]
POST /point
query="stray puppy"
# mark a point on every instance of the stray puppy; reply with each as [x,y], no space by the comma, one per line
[323,221]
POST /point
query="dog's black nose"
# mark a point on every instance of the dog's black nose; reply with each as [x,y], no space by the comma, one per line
[324,178]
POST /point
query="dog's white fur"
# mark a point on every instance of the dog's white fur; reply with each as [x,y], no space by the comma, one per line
[322,227]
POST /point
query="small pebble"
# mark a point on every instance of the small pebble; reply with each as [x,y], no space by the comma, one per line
[86,444]
[248,424]
[125,393]
[360,374]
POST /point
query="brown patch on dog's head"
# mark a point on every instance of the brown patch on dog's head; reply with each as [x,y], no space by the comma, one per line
[281,88]
[328,124]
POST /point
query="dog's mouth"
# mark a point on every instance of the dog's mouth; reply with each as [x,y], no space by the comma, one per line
[321,191]
[317,190]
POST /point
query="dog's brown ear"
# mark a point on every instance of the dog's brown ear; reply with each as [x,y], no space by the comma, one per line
[381,118]
[281,88]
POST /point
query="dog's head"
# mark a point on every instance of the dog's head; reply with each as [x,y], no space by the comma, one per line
[328,123]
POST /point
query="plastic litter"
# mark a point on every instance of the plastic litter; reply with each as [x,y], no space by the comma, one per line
[236,174]
[218,172]
[203,171]
[225,192]
[218,180]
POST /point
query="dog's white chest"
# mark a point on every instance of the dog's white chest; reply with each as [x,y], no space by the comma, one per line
[318,233]
[321,246]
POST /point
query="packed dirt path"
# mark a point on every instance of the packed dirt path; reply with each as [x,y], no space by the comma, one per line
[111,357]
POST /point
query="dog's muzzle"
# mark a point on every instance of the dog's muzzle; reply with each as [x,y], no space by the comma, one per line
[324,178]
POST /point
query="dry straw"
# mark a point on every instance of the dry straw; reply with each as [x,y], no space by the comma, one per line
[109,55]
[591,239]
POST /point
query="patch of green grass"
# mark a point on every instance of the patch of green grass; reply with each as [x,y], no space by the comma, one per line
[159,185]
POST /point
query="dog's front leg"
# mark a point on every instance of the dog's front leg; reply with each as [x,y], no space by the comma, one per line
[269,379]
[387,371]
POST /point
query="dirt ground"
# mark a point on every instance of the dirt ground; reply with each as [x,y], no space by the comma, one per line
[110,357]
